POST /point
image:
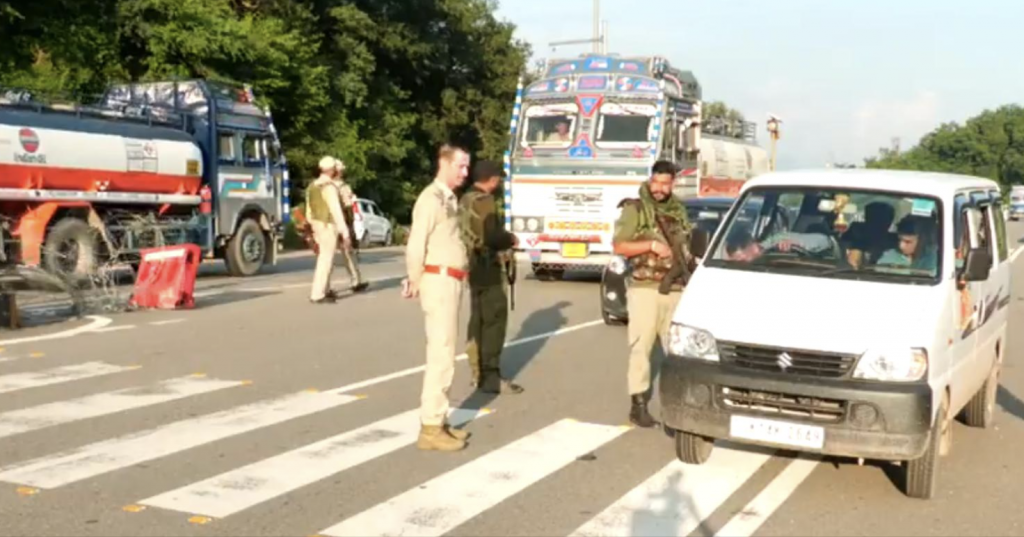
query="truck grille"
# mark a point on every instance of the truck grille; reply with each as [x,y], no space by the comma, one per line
[776,360]
[780,404]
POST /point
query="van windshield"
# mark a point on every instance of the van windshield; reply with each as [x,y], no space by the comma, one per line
[833,233]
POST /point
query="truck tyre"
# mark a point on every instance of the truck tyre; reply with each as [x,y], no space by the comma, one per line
[693,449]
[922,473]
[246,250]
[70,249]
[981,409]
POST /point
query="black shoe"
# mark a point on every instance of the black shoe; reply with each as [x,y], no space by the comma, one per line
[638,414]
[498,385]
[360,287]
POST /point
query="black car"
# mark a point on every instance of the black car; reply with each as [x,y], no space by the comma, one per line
[704,213]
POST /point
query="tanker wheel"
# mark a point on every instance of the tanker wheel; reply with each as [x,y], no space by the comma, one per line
[70,249]
[247,249]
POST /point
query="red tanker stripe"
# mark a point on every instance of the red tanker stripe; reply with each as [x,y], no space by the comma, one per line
[29,176]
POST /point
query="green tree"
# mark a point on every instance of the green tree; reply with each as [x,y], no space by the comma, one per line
[719,119]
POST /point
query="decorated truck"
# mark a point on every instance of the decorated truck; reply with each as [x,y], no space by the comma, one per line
[584,137]
[146,165]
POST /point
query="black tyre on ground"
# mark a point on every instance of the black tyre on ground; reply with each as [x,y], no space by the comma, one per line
[981,409]
[247,249]
[71,248]
[693,449]
[922,474]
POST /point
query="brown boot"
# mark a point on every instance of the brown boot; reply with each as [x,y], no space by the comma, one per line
[457,434]
[433,437]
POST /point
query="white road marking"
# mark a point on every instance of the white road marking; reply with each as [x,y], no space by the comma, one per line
[746,522]
[68,373]
[97,322]
[242,488]
[419,369]
[678,498]
[117,328]
[102,404]
[449,500]
[334,283]
[1016,252]
[101,457]
[167,322]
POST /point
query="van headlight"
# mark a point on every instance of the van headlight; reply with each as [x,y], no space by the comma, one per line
[617,265]
[690,342]
[900,365]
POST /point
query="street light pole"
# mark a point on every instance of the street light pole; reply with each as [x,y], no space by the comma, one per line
[597,27]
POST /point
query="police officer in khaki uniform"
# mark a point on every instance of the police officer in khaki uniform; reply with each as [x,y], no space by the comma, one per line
[437,266]
[643,234]
[348,199]
[323,211]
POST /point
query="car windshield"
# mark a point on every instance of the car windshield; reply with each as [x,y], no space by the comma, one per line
[839,233]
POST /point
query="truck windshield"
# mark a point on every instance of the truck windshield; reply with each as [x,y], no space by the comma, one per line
[839,233]
[549,125]
[625,125]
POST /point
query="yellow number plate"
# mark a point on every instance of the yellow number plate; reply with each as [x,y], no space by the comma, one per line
[192,167]
[574,249]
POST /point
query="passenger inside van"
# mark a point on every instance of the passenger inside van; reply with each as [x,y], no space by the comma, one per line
[917,249]
[866,241]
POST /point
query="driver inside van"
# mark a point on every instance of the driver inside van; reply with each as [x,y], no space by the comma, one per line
[741,246]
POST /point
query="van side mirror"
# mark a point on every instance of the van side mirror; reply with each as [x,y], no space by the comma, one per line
[977,265]
[699,239]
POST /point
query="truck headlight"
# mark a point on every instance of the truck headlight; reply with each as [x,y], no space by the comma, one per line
[899,365]
[617,265]
[690,342]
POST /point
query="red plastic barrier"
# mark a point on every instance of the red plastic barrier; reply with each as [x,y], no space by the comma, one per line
[167,277]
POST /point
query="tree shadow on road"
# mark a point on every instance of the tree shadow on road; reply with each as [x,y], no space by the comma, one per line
[515,357]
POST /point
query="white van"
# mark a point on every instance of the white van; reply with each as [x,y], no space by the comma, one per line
[856,316]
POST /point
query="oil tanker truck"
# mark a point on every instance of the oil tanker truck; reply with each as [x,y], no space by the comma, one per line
[147,165]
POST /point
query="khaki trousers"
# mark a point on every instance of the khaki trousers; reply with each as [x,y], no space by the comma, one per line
[350,263]
[441,300]
[326,237]
[650,315]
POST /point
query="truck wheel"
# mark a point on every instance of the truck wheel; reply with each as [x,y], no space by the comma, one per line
[246,250]
[981,409]
[693,449]
[922,473]
[70,248]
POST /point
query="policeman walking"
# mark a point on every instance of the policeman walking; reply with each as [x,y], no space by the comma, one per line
[488,245]
[646,233]
[323,212]
[437,267]
[348,199]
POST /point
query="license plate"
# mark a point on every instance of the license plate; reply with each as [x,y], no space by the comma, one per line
[574,249]
[777,432]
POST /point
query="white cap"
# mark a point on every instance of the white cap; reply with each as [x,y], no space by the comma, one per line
[328,163]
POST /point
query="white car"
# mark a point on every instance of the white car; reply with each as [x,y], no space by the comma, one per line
[372,226]
[837,334]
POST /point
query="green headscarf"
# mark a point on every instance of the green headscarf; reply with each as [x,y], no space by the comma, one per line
[671,208]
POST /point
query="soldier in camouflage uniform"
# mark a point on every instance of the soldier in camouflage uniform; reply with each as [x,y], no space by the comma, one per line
[488,245]
[639,238]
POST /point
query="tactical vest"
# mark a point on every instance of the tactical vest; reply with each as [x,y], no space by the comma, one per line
[648,266]
[318,209]
[474,242]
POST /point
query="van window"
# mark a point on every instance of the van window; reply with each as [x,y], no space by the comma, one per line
[835,234]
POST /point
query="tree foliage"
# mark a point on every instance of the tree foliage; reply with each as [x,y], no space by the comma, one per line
[721,120]
[989,145]
[379,83]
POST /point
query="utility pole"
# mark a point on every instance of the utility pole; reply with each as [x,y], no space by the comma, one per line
[597,27]
[599,40]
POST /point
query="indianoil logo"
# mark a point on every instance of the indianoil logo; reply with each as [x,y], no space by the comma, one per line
[29,140]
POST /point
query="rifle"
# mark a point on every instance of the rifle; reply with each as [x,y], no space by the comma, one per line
[509,260]
[680,268]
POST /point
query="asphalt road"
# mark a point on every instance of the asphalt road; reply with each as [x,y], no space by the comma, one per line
[257,413]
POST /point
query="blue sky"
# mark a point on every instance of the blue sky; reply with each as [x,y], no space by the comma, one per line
[845,76]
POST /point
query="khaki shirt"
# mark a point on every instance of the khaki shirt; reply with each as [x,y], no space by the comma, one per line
[332,198]
[347,196]
[434,238]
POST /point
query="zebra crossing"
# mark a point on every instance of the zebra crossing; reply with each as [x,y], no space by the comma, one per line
[436,506]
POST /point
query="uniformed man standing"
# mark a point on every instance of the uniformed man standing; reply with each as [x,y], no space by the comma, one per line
[488,245]
[323,211]
[348,200]
[437,265]
[643,234]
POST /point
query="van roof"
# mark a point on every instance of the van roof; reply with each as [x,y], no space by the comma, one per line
[933,183]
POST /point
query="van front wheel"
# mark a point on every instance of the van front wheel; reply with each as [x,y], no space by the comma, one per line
[981,409]
[693,449]
[922,473]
